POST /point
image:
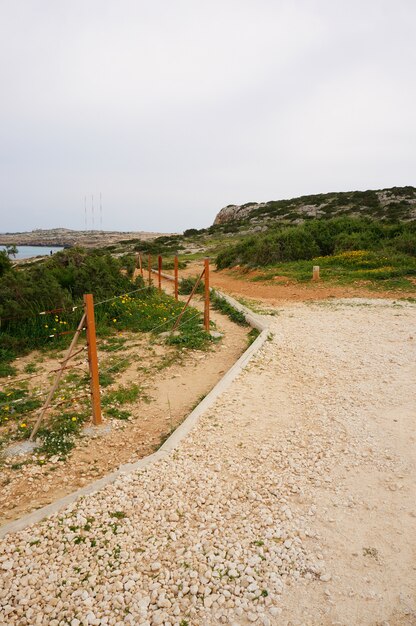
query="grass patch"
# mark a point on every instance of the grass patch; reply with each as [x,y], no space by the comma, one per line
[252,336]
[118,414]
[221,304]
[156,312]
[30,368]
[15,404]
[123,395]
[106,379]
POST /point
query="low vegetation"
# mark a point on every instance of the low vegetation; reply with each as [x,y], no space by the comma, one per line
[187,284]
[40,307]
[221,304]
[348,249]
[56,288]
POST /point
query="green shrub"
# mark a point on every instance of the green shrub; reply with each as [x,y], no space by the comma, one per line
[319,237]
[122,395]
[405,242]
[289,244]
[5,263]
[58,283]
[187,284]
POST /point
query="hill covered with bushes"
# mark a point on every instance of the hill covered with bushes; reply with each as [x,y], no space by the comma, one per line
[395,203]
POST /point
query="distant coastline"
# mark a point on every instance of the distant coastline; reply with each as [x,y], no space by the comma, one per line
[65,238]
[29,252]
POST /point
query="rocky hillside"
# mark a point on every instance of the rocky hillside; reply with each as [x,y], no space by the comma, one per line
[396,203]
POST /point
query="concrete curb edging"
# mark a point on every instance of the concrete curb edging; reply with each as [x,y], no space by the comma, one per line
[170,444]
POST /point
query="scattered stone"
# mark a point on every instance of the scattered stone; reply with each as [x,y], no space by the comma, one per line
[325,578]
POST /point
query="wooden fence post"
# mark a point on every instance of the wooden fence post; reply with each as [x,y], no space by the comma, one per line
[93,359]
[175,262]
[149,269]
[315,273]
[140,264]
[159,272]
[206,307]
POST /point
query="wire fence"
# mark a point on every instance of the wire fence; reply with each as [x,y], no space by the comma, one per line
[172,323]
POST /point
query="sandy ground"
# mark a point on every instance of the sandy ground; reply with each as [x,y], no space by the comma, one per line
[291,503]
[348,387]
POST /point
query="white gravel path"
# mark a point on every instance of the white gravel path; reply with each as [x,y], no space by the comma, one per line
[292,501]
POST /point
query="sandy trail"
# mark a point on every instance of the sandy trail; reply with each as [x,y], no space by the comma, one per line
[237,282]
[291,503]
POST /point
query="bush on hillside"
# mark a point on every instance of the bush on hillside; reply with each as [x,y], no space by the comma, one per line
[289,244]
[319,238]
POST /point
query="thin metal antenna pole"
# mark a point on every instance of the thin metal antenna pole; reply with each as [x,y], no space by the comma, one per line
[92,212]
[101,214]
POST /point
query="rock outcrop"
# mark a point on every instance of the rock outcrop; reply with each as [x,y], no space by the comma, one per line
[236,212]
[395,203]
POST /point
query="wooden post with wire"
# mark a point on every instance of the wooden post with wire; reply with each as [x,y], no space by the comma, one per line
[149,269]
[206,304]
[159,272]
[140,264]
[93,359]
[175,264]
[191,295]
[69,355]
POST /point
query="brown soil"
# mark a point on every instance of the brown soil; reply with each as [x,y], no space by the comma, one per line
[173,382]
[239,283]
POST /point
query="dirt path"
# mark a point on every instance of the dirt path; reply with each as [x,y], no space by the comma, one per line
[238,284]
[291,503]
[173,382]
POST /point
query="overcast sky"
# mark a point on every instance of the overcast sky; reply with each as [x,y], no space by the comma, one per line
[173,109]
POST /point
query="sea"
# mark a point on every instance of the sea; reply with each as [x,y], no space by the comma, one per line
[26,252]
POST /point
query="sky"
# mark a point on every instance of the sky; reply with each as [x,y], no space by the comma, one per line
[172,109]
